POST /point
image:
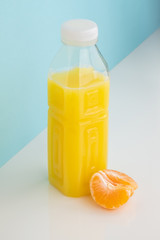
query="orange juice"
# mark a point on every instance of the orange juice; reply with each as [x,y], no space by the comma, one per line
[77,128]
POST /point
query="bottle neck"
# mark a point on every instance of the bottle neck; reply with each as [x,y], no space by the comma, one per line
[80,55]
[70,57]
[77,47]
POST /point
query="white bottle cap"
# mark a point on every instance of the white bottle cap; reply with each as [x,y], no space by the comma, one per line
[79,32]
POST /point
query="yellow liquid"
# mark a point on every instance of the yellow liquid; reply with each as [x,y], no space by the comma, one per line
[77,128]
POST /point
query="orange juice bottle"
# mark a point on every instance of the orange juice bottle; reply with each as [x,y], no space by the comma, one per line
[78,99]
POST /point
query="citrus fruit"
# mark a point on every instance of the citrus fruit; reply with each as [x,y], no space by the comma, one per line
[111,189]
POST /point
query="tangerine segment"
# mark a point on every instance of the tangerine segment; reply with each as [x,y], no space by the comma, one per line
[111,189]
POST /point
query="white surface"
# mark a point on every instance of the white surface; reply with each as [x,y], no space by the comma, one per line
[31,209]
[79,32]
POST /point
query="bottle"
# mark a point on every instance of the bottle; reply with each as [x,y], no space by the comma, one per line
[78,98]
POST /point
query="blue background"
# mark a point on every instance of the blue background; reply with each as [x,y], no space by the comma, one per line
[29,38]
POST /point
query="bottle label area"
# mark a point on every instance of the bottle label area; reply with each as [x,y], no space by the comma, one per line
[77,135]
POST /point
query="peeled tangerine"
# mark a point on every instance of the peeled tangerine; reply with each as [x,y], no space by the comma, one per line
[111,189]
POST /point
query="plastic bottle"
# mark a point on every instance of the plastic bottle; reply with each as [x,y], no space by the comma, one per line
[78,98]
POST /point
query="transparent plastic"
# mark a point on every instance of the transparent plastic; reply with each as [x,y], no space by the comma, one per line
[78,98]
